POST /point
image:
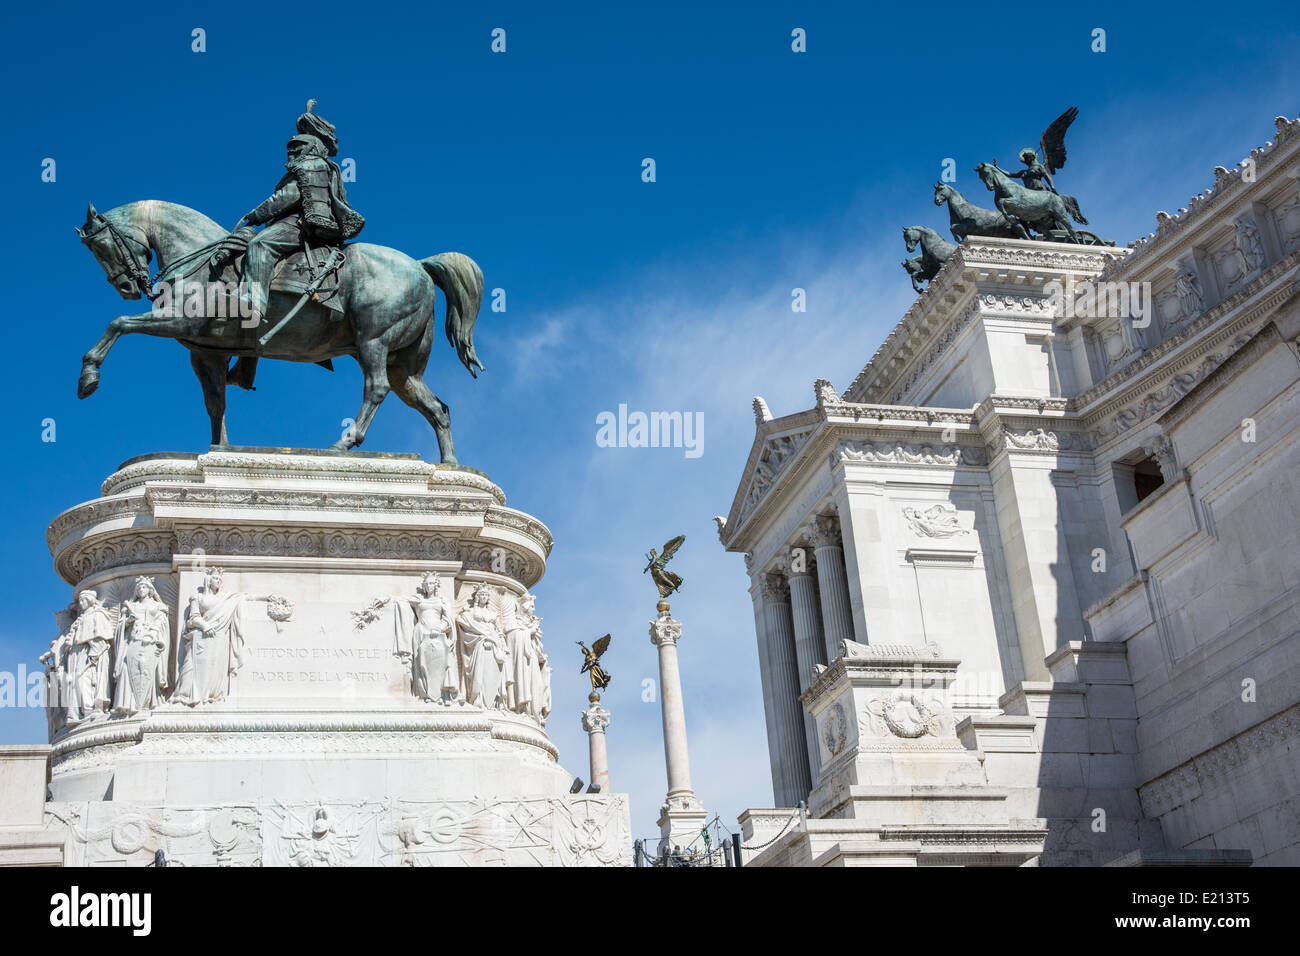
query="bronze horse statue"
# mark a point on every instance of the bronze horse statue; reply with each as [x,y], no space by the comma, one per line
[967,219]
[1040,209]
[935,251]
[386,323]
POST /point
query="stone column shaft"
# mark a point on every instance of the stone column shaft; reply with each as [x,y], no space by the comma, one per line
[784,700]
[765,679]
[676,755]
[810,650]
[594,722]
[832,585]
[682,815]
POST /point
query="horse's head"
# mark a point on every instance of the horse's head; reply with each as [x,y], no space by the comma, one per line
[989,173]
[121,249]
[911,236]
[942,192]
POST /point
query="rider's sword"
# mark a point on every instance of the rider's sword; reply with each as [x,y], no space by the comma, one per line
[307,294]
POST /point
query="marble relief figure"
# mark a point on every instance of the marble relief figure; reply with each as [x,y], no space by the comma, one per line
[517,622]
[212,643]
[56,681]
[1188,288]
[435,673]
[140,659]
[540,672]
[542,689]
[1249,246]
[483,647]
[89,640]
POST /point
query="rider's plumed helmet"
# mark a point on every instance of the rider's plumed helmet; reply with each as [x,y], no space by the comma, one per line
[313,127]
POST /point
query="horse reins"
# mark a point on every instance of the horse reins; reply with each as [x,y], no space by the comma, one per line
[137,270]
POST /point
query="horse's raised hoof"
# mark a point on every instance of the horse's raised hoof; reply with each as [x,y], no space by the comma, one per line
[88,382]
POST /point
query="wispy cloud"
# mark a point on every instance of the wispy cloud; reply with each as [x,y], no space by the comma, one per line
[707,341]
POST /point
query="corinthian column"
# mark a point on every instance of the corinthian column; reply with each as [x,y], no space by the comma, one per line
[809,644]
[783,669]
[832,583]
[682,816]
[594,721]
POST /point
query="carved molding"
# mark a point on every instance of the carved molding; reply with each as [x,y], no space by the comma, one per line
[271,465]
[1216,767]
[911,453]
[1175,387]
[1039,440]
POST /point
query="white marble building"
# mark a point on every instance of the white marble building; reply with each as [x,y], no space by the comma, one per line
[1029,589]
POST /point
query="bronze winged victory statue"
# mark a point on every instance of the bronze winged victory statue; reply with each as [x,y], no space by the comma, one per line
[591,664]
[665,581]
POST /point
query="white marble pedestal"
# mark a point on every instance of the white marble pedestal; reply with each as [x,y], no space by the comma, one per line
[322,752]
[897,787]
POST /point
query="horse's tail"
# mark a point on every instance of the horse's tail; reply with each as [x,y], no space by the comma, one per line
[461,281]
[1072,207]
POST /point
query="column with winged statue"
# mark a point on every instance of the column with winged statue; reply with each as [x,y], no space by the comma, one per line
[682,816]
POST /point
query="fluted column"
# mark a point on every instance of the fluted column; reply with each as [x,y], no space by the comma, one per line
[832,584]
[765,679]
[784,700]
[682,815]
[594,721]
[809,644]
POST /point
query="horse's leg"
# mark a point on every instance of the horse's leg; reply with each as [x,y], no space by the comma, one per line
[149,323]
[410,388]
[1063,221]
[372,356]
[1016,224]
[211,371]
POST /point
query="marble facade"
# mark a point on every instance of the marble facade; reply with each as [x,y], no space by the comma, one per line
[1076,521]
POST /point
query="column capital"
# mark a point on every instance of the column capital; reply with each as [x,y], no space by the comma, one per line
[776,589]
[825,532]
[663,629]
[595,719]
[806,563]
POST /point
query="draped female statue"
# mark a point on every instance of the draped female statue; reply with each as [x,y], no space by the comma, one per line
[517,622]
[435,671]
[541,704]
[141,641]
[483,647]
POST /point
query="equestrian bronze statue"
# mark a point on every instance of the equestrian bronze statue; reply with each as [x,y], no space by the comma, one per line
[298,291]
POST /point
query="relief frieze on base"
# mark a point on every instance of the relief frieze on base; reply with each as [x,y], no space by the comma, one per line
[578,830]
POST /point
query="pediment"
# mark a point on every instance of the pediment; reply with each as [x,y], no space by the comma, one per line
[777,444]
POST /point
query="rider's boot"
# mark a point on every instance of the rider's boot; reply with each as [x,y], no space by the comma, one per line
[255,290]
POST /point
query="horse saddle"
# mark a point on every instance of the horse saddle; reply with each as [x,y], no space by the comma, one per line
[294,275]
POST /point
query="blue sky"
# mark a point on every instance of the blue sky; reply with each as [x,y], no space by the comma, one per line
[775,170]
